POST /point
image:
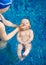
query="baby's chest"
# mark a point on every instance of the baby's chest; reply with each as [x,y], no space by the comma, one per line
[25,34]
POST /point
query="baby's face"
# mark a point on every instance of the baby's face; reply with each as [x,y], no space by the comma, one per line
[25,24]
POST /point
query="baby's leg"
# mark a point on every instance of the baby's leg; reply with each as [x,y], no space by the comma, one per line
[27,49]
[19,52]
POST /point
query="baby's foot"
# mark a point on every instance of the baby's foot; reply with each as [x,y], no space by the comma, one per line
[21,58]
[24,55]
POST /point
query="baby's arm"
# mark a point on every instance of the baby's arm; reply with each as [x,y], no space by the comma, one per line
[31,36]
[19,38]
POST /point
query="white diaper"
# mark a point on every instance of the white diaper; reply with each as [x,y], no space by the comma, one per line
[2,44]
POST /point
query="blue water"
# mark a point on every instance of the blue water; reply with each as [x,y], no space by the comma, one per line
[35,11]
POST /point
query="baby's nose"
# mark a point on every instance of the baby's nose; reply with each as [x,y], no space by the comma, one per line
[23,24]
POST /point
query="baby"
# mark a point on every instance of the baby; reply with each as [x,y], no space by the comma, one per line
[24,37]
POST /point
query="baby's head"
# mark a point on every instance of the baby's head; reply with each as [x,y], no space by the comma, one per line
[25,24]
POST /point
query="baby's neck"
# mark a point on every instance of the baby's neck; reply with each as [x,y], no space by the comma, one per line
[25,30]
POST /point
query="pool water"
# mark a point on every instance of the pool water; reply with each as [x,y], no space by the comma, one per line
[35,11]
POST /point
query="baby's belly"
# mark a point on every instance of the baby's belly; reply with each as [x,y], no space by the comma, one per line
[25,38]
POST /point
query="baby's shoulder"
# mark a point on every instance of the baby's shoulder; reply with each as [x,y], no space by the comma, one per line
[30,30]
